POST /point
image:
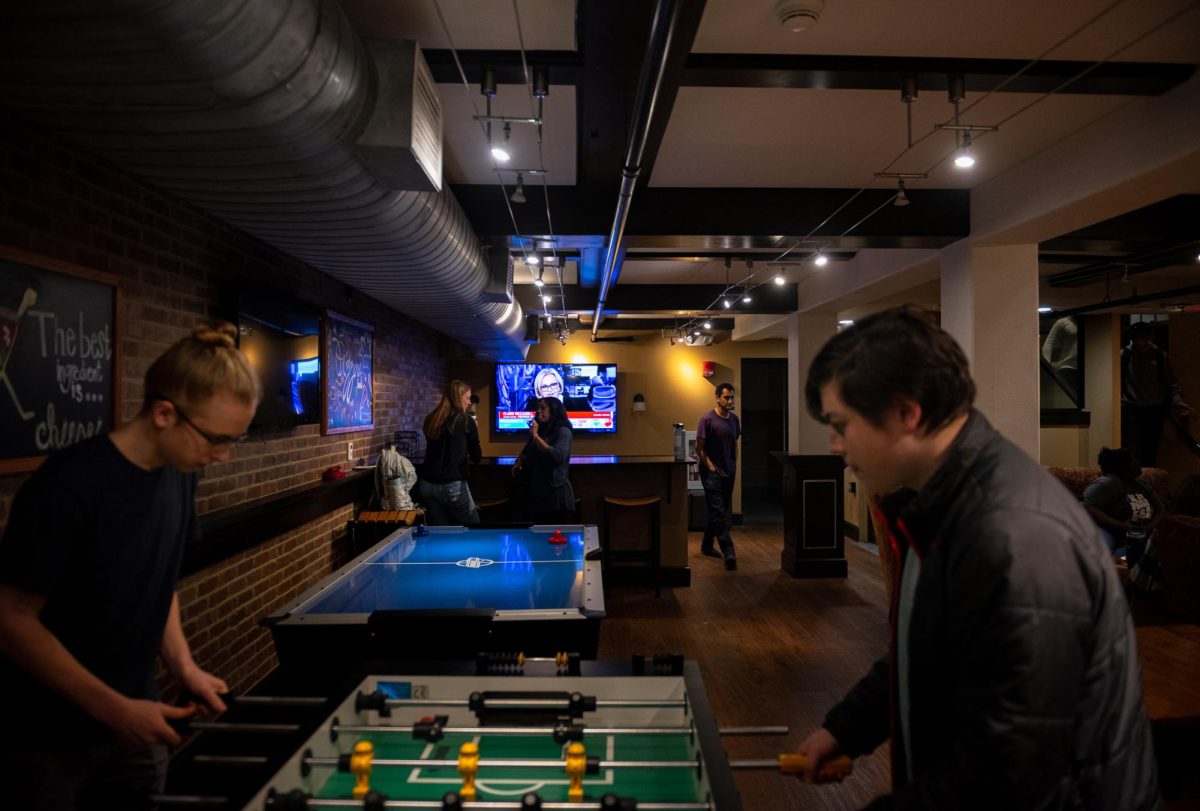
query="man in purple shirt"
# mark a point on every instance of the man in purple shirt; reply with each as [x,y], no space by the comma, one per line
[716,447]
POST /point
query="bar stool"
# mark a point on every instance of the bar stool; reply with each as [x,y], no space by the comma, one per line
[653,555]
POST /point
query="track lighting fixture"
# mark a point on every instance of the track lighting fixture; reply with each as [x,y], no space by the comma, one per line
[545,299]
[746,298]
[779,280]
[708,325]
[501,152]
[901,196]
[964,158]
[820,260]
[518,195]
[538,281]
[727,303]
[532,258]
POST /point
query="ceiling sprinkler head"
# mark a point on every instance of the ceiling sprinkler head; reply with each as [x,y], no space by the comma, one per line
[799,15]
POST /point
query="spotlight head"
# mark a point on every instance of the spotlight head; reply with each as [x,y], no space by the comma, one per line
[500,154]
[708,325]
[779,280]
[821,260]
[1044,310]
[533,259]
[518,195]
[727,303]
[539,281]
[901,195]
[746,299]
[964,158]
[545,299]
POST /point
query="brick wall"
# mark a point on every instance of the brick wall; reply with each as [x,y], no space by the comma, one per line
[175,264]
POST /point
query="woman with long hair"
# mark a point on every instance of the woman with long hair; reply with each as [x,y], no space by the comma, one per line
[545,462]
[452,438]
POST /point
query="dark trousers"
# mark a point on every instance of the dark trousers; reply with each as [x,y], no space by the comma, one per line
[1141,429]
[82,777]
[718,497]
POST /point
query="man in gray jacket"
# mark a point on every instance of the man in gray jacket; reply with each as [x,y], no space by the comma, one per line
[1012,678]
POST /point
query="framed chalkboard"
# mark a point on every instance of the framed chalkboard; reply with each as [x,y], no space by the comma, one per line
[59,369]
[347,363]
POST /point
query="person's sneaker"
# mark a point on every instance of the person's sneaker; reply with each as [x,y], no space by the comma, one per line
[709,552]
[730,563]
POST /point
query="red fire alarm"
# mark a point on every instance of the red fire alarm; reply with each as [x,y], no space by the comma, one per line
[710,368]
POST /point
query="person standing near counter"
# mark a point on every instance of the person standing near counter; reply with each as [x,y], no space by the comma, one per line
[544,462]
[453,438]
[716,448]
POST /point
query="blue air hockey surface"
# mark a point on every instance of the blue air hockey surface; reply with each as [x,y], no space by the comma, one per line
[451,593]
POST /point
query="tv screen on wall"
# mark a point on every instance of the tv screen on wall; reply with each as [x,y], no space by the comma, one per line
[280,337]
[588,390]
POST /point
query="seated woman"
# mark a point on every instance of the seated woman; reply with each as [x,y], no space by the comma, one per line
[1123,505]
[544,461]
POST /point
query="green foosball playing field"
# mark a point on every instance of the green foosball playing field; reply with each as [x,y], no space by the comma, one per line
[671,784]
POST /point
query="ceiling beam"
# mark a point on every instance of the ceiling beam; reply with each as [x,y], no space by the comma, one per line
[819,72]
[733,220]
[655,298]
[884,73]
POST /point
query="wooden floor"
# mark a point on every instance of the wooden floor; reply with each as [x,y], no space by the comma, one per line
[772,649]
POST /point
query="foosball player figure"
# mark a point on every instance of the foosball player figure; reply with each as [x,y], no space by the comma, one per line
[576,768]
[468,767]
[360,767]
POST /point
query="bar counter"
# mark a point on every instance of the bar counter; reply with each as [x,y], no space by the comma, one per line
[595,476]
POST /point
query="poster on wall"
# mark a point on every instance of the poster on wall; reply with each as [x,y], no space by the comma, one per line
[347,390]
[58,358]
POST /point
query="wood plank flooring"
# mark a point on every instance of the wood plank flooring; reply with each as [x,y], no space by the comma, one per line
[772,650]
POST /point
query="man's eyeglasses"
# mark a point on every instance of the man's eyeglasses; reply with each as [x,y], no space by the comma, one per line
[211,439]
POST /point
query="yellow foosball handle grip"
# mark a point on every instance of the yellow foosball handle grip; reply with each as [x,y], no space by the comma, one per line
[835,769]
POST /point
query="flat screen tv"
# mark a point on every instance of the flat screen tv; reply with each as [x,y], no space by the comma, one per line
[588,390]
[280,336]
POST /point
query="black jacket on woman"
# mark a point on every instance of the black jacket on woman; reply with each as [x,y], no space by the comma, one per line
[446,457]
[546,470]
[1023,687]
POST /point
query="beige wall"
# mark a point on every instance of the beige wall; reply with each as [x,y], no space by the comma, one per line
[668,376]
[1065,446]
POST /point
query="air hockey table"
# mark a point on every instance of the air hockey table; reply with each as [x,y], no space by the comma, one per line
[648,735]
[450,594]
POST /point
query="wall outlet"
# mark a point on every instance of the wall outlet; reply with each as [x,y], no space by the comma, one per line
[350,452]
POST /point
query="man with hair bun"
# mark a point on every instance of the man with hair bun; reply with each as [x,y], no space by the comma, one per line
[1011,679]
[88,568]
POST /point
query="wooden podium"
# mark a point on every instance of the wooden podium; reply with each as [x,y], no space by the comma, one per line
[813,508]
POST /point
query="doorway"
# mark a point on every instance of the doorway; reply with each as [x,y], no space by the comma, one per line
[763,406]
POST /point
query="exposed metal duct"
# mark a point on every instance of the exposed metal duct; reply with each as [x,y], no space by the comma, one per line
[251,109]
[662,29]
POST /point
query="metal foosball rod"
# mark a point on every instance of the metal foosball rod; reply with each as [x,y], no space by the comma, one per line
[540,703]
[534,731]
[833,769]
[503,763]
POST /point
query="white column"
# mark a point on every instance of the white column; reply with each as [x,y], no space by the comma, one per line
[989,305]
[807,333]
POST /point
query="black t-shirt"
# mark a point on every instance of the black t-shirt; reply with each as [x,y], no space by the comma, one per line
[103,540]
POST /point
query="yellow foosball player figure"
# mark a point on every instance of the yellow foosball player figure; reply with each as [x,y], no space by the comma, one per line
[468,767]
[576,767]
[360,767]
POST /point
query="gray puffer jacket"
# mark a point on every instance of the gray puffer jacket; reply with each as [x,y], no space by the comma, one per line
[1023,688]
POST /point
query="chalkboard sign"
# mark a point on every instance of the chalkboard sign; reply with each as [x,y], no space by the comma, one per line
[59,374]
[346,369]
